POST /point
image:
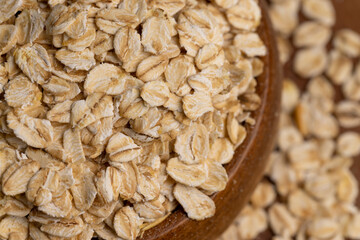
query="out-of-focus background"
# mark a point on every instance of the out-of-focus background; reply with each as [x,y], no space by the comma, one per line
[347,17]
[296,221]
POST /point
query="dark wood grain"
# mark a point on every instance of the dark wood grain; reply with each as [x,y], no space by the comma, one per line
[348,16]
[247,167]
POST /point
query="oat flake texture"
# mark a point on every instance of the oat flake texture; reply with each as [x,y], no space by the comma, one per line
[115,112]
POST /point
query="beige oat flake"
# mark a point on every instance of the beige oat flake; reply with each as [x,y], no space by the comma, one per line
[34,61]
[9,9]
[8,37]
[196,204]
[20,92]
[16,177]
[83,60]
[30,25]
[251,222]
[321,10]
[111,20]
[191,175]
[122,148]
[311,33]
[18,229]
[155,93]
[34,131]
[310,62]
[126,223]
[245,15]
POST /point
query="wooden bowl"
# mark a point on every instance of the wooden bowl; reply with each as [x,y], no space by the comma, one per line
[247,167]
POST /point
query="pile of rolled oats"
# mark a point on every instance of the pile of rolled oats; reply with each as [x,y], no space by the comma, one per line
[309,191]
[115,111]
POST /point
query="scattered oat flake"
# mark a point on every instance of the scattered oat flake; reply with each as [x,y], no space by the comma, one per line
[312,33]
[314,191]
[348,42]
[320,10]
[348,144]
[251,222]
[310,62]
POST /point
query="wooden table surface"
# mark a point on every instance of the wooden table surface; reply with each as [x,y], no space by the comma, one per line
[348,16]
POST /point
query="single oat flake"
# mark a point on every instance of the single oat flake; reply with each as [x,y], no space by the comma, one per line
[113,113]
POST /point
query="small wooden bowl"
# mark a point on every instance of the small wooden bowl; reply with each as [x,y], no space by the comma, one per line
[247,167]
